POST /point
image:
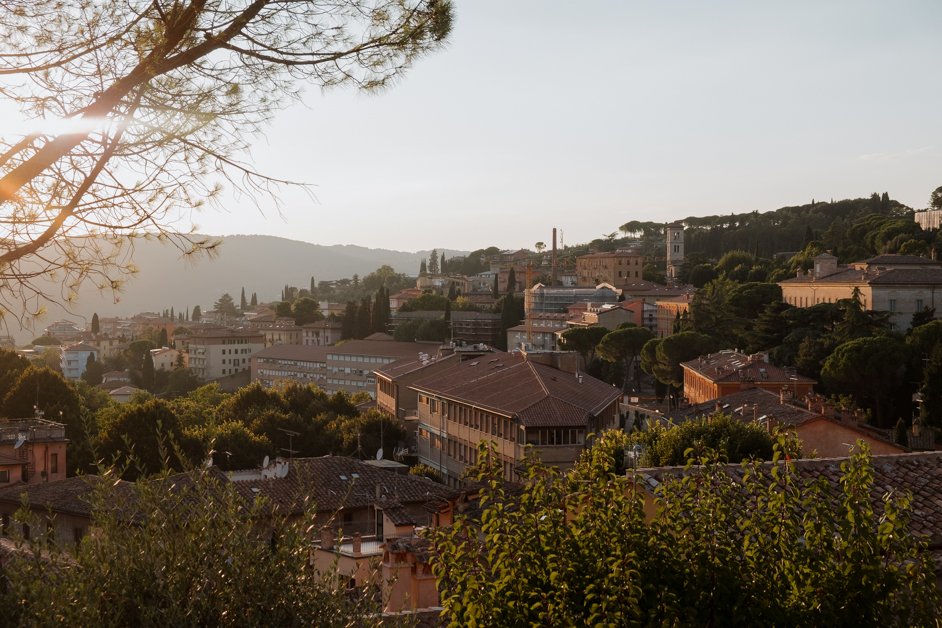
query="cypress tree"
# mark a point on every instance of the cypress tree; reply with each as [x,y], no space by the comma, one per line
[243,302]
[511,281]
[363,322]
[96,325]
[254,301]
[147,372]
[495,291]
[423,269]
[348,326]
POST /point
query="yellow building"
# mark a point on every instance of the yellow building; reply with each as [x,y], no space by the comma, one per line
[617,268]
[899,284]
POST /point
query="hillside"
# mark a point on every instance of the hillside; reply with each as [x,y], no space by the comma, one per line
[260,264]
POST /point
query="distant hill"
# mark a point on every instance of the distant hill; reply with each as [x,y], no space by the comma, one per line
[260,264]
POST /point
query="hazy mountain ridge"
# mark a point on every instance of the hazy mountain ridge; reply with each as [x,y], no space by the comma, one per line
[259,263]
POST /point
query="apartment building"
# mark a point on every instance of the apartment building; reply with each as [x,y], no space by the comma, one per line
[515,402]
[393,393]
[321,333]
[347,367]
[277,365]
[31,451]
[75,359]
[220,353]
[351,364]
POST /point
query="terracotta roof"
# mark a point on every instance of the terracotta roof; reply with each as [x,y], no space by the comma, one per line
[928,275]
[747,405]
[71,496]
[335,482]
[383,348]
[537,394]
[918,474]
[324,324]
[732,366]
[411,365]
[304,353]
[890,259]
[908,276]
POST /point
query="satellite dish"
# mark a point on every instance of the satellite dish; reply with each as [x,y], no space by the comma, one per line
[21,438]
[265,462]
[282,471]
[379,453]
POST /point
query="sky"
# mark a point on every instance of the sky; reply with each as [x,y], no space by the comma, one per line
[584,116]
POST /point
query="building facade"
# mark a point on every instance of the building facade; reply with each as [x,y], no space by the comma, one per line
[278,365]
[674,233]
[898,284]
[616,268]
[75,359]
[217,354]
[31,451]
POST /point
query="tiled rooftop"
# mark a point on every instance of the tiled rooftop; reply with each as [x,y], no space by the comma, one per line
[918,474]
[304,353]
[335,482]
[734,366]
[72,495]
[537,394]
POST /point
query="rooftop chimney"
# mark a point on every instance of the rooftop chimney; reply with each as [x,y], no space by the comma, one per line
[327,538]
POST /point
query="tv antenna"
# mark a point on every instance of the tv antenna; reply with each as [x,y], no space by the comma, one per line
[290,449]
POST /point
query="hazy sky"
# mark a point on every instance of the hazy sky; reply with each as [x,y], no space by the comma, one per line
[585,115]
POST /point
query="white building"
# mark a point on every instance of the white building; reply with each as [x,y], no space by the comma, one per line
[75,358]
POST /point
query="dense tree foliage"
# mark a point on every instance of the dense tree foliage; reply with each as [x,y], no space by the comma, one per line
[766,549]
[624,345]
[729,439]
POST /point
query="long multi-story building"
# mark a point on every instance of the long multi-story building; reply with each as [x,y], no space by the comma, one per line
[515,402]
[220,353]
[280,364]
[347,367]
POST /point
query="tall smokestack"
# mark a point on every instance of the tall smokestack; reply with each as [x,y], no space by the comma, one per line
[553,271]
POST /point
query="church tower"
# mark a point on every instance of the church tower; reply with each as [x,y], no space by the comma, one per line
[675,248]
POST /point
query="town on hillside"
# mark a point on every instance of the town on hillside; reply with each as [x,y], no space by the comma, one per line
[378,408]
[253,395]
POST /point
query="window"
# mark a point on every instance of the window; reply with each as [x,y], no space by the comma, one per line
[78,534]
[892,305]
[919,305]
[53,463]
[4,476]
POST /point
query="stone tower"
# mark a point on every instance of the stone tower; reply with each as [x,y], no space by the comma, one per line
[675,248]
